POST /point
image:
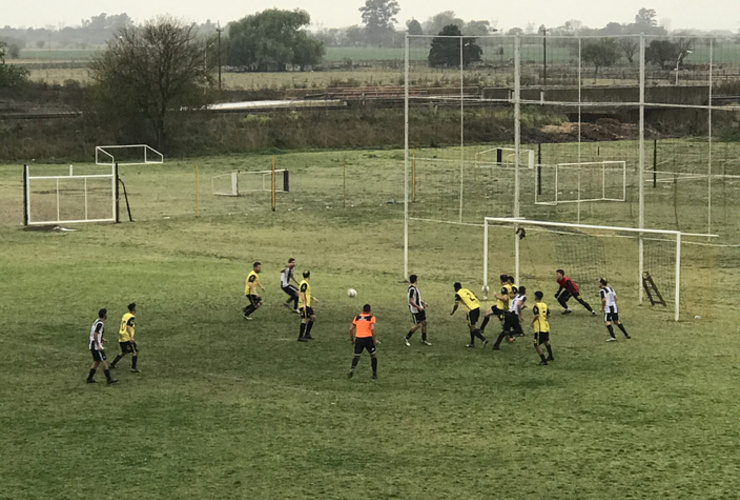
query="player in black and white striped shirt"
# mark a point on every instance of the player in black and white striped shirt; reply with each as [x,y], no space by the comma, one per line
[610,309]
[95,344]
[513,318]
[286,275]
[417,307]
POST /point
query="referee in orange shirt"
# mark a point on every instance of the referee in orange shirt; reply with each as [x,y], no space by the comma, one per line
[362,335]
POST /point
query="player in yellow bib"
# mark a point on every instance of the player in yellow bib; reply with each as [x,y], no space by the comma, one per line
[307,315]
[502,303]
[253,281]
[471,302]
[126,339]
[541,327]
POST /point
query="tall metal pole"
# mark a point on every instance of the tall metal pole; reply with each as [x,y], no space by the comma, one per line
[641,182]
[709,130]
[517,141]
[462,125]
[580,79]
[406,159]
[219,30]
[544,56]
[485,259]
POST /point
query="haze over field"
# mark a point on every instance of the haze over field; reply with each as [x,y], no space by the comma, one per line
[721,15]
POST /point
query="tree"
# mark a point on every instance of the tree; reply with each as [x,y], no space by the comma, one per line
[273,39]
[10,75]
[414,27]
[148,71]
[646,17]
[629,47]
[600,53]
[477,28]
[378,16]
[445,52]
[662,51]
[437,23]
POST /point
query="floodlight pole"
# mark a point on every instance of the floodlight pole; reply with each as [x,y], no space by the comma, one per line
[219,30]
[641,218]
[709,137]
[406,159]
[462,125]
[517,143]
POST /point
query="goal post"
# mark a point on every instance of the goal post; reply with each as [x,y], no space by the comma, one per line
[549,244]
[240,183]
[66,199]
[590,181]
[127,154]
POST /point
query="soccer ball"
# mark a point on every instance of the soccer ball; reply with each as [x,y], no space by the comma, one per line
[352,293]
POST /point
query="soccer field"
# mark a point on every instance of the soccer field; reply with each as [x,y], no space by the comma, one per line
[226,408]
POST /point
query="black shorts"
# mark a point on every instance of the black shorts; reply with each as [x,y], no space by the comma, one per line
[419,317]
[611,316]
[364,343]
[541,338]
[511,323]
[565,296]
[97,355]
[473,316]
[254,300]
[308,312]
[127,347]
[498,312]
[291,290]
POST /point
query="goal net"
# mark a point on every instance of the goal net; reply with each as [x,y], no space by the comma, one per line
[127,154]
[580,182]
[641,265]
[82,195]
[241,183]
[504,157]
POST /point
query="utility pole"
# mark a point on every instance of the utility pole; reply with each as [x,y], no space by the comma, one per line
[544,55]
[219,30]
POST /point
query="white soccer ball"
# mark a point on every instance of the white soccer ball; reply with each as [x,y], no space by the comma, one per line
[352,293]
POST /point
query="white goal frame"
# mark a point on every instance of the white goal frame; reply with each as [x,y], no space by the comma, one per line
[515,223]
[267,182]
[104,155]
[27,194]
[511,154]
[605,165]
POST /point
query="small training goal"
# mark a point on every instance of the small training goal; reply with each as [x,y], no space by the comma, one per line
[580,182]
[127,154]
[240,183]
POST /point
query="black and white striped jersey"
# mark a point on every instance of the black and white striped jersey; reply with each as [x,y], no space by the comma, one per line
[416,296]
[285,276]
[610,295]
[97,328]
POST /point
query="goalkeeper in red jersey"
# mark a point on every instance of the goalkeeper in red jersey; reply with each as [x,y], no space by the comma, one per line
[567,290]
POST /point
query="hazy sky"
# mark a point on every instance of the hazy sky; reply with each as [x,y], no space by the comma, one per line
[720,14]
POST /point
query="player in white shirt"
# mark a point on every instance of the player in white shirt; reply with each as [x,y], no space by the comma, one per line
[417,307]
[513,318]
[95,344]
[286,276]
[610,309]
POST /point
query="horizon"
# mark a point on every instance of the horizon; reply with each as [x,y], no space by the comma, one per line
[674,16]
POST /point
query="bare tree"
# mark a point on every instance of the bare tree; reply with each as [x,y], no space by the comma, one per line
[148,71]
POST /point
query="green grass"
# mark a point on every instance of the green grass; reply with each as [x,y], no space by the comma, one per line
[225,408]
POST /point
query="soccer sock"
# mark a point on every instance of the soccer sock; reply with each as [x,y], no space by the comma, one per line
[611,330]
[485,322]
[118,358]
[249,310]
[501,337]
[374,364]
[107,375]
[424,334]
[92,374]
[309,326]
[621,327]
[303,330]
[472,338]
[134,360]
[408,335]
[542,357]
[549,350]
[478,334]
[295,302]
[585,304]
[355,360]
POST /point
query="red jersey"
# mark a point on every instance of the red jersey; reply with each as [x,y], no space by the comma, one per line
[568,285]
